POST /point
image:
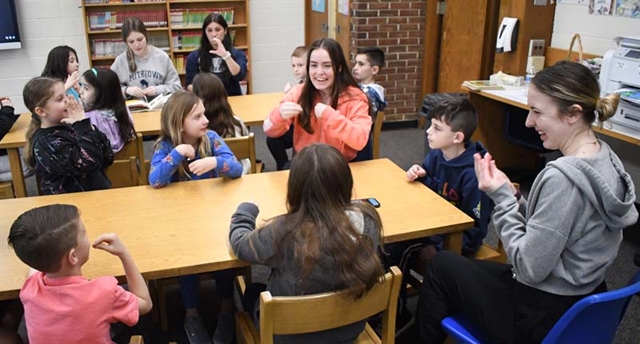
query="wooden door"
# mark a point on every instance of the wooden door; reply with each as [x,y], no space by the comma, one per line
[467,42]
[316,23]
[343,28]
[459,44]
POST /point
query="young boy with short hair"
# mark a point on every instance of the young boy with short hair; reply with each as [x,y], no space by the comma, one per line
[59,303]
[449,171]
[369,62]
[278,146]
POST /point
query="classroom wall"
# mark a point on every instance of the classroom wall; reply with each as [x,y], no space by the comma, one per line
[277,27]
[597,33]
[44,24]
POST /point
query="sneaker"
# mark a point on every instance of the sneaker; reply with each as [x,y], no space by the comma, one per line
[404,321]
[196,333]
[225,329]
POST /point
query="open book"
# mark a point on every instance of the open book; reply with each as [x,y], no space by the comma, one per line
[141,105]
[477,85]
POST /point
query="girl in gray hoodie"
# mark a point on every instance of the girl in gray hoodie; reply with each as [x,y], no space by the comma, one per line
[560,242]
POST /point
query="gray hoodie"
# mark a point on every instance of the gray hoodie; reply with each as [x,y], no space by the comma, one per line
[573,223]
[155,69]
[259,247]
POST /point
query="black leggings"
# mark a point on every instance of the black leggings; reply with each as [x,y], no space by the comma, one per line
[507,311]
[278,148]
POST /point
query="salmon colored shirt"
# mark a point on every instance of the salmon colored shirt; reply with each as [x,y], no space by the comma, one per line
[345,128]
[74,309]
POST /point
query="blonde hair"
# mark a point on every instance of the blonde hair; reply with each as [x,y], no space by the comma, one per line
[36,93]
[172,117]
[300,51]
[571,83]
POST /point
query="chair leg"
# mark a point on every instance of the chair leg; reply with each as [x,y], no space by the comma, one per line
[162,305]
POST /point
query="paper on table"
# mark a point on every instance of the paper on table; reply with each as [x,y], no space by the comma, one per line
[518,95]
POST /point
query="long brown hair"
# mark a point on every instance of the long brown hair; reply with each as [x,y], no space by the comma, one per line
[133,24]
[318,194]
[342,80]
[217,109]
[36,93]
[177,108]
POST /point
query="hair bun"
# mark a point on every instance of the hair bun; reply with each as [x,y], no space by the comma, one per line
[606,106]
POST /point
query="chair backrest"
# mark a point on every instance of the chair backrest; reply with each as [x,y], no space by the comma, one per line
[377,129]
[595,318]
[319,312]
[124,171]
[243,147]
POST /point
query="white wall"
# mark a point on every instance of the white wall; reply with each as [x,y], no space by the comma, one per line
[597,33]
[277,27]
[44,24]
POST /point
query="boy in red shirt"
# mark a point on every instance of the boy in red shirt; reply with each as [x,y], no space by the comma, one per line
[60,305]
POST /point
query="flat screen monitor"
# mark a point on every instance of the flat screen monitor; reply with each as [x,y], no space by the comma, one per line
[9,34]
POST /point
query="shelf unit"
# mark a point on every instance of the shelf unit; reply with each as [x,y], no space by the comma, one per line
[162,36]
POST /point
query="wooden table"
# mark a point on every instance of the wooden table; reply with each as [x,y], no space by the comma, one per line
[183,228]
[491,106]
[252,108]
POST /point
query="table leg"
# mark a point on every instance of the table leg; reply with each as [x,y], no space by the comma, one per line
[15,163]
[453,242]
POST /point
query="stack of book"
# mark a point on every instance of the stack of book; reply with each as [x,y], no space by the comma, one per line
[478,85]
[99,21]
[193,17]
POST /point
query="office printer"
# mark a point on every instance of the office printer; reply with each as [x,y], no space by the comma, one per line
[620,73]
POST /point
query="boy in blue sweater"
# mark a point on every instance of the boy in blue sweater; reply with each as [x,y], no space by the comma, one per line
[449,171]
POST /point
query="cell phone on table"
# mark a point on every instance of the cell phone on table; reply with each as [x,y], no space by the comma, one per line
[374,202]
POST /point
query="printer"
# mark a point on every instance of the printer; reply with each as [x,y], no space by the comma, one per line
[620,73]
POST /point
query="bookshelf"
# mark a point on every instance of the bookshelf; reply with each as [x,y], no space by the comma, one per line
[173,26]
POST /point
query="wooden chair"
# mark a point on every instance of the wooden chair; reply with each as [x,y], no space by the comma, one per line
[244,147]
[377,130]
[124,170]
[6,190]
[281,315]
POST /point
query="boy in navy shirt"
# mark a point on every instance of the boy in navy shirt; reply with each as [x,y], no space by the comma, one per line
[449,171]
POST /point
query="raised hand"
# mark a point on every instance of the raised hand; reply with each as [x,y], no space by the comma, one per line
[110,243]
[290,110]
[319,108]
[75,111]
[218,47]
[186,151]
[490,178]
[72,80]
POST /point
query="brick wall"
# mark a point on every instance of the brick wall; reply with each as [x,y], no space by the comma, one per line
[397,27]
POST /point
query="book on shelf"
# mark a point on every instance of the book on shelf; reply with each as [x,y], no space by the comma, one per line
[478,85]
[138,105]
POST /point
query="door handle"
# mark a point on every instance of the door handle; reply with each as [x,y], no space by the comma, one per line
[325,27]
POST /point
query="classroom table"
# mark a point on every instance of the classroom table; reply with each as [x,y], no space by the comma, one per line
[252,109]
[183,228]
[491,131]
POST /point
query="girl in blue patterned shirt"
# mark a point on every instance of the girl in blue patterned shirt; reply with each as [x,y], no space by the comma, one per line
[187,150]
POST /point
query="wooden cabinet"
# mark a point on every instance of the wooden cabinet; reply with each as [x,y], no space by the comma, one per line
[173,26]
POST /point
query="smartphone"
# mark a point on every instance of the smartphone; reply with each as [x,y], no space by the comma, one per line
[374,202]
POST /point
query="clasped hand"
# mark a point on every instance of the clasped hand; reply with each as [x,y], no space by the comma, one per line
[200,166]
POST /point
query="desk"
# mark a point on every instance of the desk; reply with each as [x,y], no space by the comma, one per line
[490,105]
[184,227]
[252,109]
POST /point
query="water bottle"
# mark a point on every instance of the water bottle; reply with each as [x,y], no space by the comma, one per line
[531,72]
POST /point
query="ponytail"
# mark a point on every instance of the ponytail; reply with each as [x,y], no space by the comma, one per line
[36,93]
[606,107]
[28,149]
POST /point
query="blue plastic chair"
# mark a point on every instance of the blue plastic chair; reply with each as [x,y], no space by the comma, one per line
[593,319]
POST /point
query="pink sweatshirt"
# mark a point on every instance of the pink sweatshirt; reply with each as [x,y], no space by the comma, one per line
[345,128]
